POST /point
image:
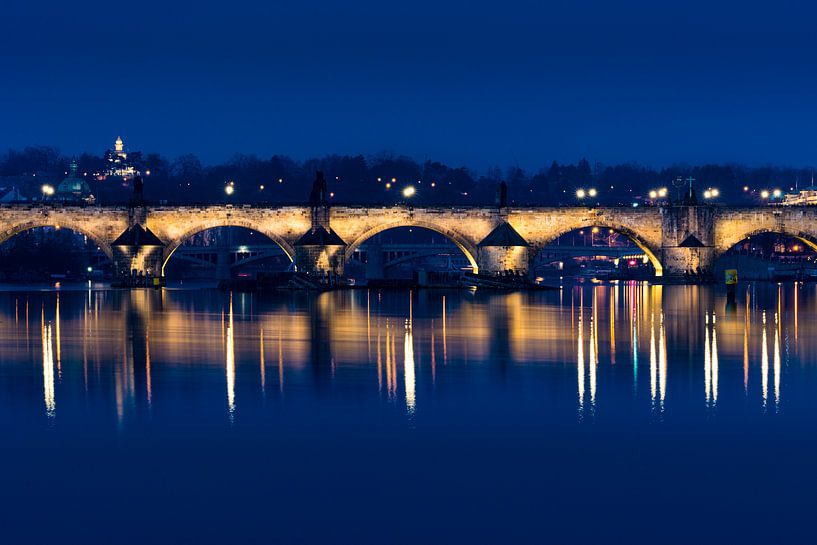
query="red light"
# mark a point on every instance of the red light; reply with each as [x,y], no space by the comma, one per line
[632,262]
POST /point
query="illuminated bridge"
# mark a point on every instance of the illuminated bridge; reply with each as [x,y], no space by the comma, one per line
[320,239]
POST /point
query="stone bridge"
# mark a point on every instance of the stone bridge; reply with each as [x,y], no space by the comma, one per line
[320,238]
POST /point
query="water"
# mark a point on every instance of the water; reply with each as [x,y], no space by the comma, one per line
[610,414]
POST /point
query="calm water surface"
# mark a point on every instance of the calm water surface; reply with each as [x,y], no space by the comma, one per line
[606,414]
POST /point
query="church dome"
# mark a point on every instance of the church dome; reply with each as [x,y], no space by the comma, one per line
[73,188]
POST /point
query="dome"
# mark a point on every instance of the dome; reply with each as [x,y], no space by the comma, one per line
[73,188]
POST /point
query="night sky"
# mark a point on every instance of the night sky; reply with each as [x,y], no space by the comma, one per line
[469,82]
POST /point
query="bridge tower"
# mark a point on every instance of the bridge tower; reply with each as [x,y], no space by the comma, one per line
[320,250]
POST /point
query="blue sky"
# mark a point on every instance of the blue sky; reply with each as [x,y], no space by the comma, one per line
[474,83]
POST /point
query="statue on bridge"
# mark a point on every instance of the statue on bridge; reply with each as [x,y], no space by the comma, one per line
[319,190]
[138,190]
[502,195]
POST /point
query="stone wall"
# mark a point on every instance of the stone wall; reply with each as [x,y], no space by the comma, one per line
[495,259]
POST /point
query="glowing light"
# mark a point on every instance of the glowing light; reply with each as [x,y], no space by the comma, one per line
[580,193]
[707,194]
[662,192]
[777,193]
[393,180]
[47,190]
[715,192]
[388,185]
[653,194]
[595,229]
[764,194]
[746,188]
[48,371]
[408,368]
[261,187]
[409,191]
[230,363]
[229,189]
[632,262]
[592,192]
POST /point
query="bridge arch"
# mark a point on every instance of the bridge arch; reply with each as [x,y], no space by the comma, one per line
[649,250]
[465,246]
[45,221]
[733,240]
[178,240]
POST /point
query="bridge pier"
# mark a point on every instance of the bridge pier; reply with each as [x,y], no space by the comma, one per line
[320,250]
[137,251]
[687,240]
[503,250]
[320,253]
[679,261]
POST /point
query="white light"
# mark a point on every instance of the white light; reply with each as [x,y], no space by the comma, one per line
[707,194]
[662,192]
[653,194]
[777,193]
[409,191]
[229,189]
[580,193]
[764,194]
[592,192]
[715,192]
[47,189]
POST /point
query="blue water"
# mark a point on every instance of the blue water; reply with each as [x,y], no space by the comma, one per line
[595,414]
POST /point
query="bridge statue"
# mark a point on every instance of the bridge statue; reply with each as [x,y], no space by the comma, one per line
[320,238]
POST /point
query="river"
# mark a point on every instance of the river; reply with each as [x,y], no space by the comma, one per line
[620,413]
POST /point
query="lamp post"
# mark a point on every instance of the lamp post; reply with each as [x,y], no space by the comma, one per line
[48,190]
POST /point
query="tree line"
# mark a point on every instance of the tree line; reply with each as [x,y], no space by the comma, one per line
[381,178]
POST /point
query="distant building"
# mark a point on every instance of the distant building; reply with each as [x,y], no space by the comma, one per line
[117,163]
[73,188]
[807,195]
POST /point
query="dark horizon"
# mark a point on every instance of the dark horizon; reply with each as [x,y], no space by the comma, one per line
[469,84]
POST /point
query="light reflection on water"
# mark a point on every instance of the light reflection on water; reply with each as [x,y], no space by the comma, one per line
[427,381]
[120,332]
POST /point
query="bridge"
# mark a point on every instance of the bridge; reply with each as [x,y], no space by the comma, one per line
[321,239]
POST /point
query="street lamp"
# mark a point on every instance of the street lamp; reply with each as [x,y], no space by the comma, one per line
[764,194]
[47,190]
[229,189]
[653,194]
[580,193]
[777,193]
[409,191]
[662,192]
[592,192]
